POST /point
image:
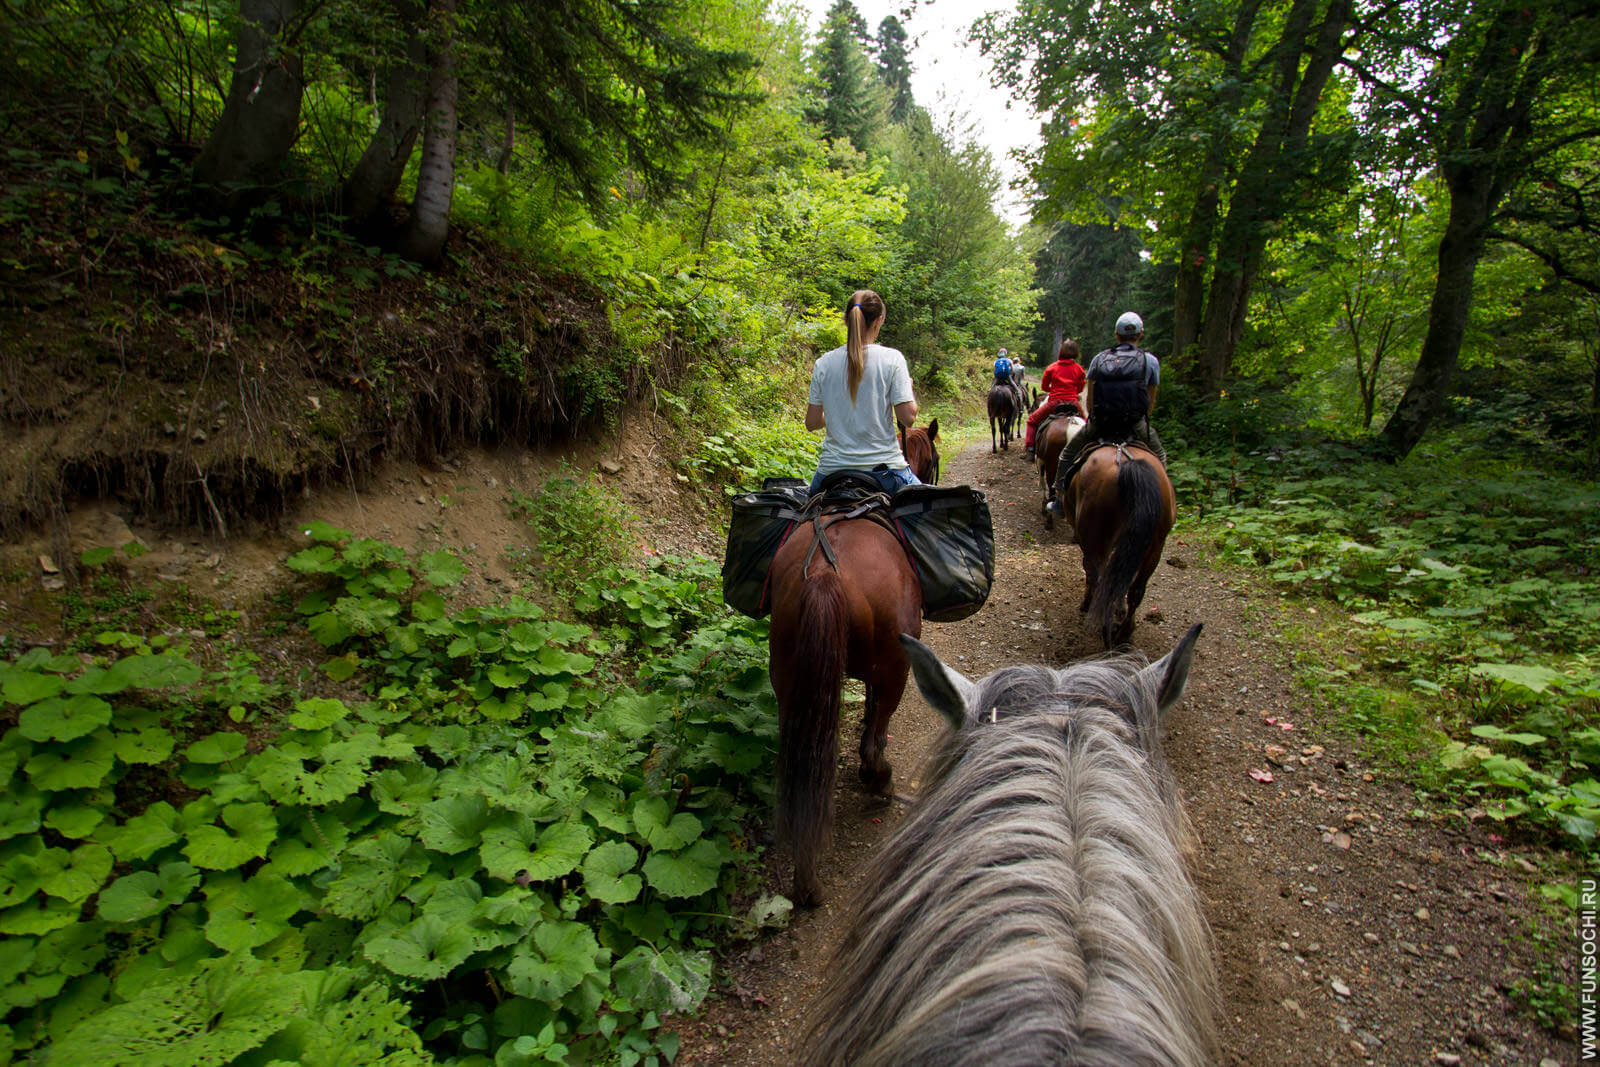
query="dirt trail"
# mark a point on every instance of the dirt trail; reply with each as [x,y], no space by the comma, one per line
[1347,931]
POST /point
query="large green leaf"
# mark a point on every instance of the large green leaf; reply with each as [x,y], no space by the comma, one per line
[455,823]
[82,764]
[206,1019]
[26,866]
[374,872]
[19,686]
[142,894]
[86,870]
[250,831]
[160,671]
[653,818]
[562,955]
[1527,676]
[428,948]
[150,744]
[143,835]
[507,846]
[21,812]
[220,747]
[684,874]
[560,849]
[318,713]
[605,873]
[671,980]
[258,912]
[63,718]
[40,915]
[403,790]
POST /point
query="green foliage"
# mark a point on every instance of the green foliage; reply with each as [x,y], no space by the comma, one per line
[1472,596]
[578,527]
[518,843]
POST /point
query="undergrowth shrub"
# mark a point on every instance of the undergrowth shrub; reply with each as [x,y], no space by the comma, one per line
[1474,592]
[515,842]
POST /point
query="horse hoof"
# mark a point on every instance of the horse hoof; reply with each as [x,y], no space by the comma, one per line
[879,778]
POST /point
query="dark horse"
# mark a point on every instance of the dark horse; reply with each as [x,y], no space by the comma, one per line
[1123,507]
[1002,414]
[921,449]
[1035,906]
[837,609]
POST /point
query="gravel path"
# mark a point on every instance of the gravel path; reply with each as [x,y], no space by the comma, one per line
[1347,929]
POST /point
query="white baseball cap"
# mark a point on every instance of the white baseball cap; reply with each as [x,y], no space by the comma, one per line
[1129,325]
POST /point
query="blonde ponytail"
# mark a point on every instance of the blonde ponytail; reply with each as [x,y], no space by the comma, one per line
[864,309]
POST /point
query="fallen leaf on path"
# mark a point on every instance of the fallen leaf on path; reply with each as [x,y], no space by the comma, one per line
[1260,775]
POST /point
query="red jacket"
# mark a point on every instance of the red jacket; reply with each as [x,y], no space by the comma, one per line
[1063,381]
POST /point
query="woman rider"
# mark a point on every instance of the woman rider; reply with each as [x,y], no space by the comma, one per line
[1062,381]
[853,390]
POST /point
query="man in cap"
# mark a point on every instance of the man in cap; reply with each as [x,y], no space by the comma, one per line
[1119,395]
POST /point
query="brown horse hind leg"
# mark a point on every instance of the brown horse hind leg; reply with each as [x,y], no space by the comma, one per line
[877,773]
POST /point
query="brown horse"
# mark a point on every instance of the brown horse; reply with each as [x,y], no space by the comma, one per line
[1002,415]
[1052,438]
[921,449]
[837,609]
[1123,507]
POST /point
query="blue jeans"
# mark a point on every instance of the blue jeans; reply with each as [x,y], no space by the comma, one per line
[889,479]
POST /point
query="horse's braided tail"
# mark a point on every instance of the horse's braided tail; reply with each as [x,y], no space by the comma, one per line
[808,730]
[1140,490]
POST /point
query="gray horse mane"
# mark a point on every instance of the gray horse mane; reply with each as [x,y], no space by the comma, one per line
[1035,907]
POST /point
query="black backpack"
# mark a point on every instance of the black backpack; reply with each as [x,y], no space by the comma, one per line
[1121,397]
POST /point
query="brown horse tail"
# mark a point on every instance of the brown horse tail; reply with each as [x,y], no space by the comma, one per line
[808,735]
[1140,490]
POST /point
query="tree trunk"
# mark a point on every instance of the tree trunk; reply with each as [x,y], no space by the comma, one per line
[1480,156]
[1188,297]
[508,142]
[1459,252]
[371,185]
[430,210]
[261,117]
[1194,256]
[1266,180]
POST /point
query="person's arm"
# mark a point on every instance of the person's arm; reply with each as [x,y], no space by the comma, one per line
[906,414]
[1088,398]
[1152,389]
[815,420]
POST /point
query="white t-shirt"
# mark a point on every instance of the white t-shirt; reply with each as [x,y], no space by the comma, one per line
[862,435]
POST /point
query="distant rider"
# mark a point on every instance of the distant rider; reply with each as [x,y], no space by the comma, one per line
[1121,391]
[1062,383]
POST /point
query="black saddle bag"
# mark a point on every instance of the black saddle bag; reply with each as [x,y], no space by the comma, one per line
[761,522]
[950,537]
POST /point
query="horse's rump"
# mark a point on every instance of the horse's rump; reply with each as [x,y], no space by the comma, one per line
[1034,907]
[1123,507]
[831,619]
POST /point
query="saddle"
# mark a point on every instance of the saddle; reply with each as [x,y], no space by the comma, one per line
[1064,478]
[1065,409]
[946,532]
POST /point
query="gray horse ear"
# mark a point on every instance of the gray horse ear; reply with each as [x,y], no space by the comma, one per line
[946,690]
[1170,673]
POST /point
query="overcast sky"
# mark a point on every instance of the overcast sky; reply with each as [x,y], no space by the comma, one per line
[950,78]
